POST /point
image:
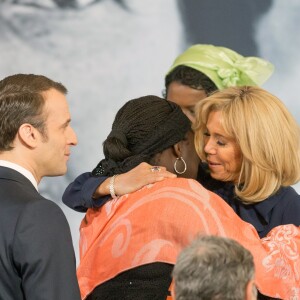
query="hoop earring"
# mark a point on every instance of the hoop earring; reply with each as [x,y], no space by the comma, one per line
[184,165]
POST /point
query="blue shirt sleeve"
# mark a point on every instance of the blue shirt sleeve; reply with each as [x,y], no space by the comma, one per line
[78,194]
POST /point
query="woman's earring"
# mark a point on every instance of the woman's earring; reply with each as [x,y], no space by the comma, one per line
[184,165]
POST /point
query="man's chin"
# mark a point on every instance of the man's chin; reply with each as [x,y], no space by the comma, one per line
[55,173]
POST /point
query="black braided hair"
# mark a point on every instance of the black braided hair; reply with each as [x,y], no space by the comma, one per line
[142,128]
[191,78]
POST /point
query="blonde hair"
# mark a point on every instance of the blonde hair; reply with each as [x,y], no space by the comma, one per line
[266,132]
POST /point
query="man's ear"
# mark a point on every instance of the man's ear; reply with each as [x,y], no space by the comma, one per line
[28,135]
[251,291]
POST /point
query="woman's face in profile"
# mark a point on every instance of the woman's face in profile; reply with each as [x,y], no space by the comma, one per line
[185,97]
[223,154]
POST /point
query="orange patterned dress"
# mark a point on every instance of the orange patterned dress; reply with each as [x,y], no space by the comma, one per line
[156,222]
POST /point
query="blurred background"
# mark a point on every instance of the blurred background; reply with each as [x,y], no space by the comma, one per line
[107,52]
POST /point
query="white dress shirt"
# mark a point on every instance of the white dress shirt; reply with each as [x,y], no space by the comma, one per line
[18,168]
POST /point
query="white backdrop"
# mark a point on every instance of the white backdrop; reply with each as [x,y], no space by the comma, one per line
[107,54]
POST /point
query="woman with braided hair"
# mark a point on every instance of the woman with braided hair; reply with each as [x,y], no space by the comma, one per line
[123,237]
[129,246]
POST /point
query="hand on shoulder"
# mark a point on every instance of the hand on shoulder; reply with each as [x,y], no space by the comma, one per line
[136,178]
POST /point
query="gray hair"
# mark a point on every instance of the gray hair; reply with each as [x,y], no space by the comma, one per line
[213,267]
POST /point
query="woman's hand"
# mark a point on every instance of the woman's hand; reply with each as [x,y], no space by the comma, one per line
[134,179]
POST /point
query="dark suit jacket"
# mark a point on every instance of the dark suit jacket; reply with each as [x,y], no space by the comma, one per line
[37,259]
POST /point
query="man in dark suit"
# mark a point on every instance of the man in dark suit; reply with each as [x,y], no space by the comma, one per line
[37,259]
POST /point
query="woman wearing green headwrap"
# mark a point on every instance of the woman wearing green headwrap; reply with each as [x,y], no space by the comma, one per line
[203,69]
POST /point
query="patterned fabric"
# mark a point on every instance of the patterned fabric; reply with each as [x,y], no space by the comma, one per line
[156,222]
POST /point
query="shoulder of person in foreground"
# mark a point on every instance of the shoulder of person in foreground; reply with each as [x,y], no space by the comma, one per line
[43,252]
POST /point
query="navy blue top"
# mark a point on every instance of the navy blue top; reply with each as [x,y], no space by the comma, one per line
[279,209]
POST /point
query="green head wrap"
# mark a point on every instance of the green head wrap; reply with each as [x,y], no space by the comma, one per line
[225,67]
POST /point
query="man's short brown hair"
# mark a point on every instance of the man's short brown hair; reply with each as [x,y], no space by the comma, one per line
[22,101]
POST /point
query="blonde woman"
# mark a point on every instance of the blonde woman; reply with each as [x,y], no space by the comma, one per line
[250,141]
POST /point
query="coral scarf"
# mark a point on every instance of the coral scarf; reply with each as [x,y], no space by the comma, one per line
[156,222]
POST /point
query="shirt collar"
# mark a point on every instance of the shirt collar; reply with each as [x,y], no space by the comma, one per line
[20,169]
